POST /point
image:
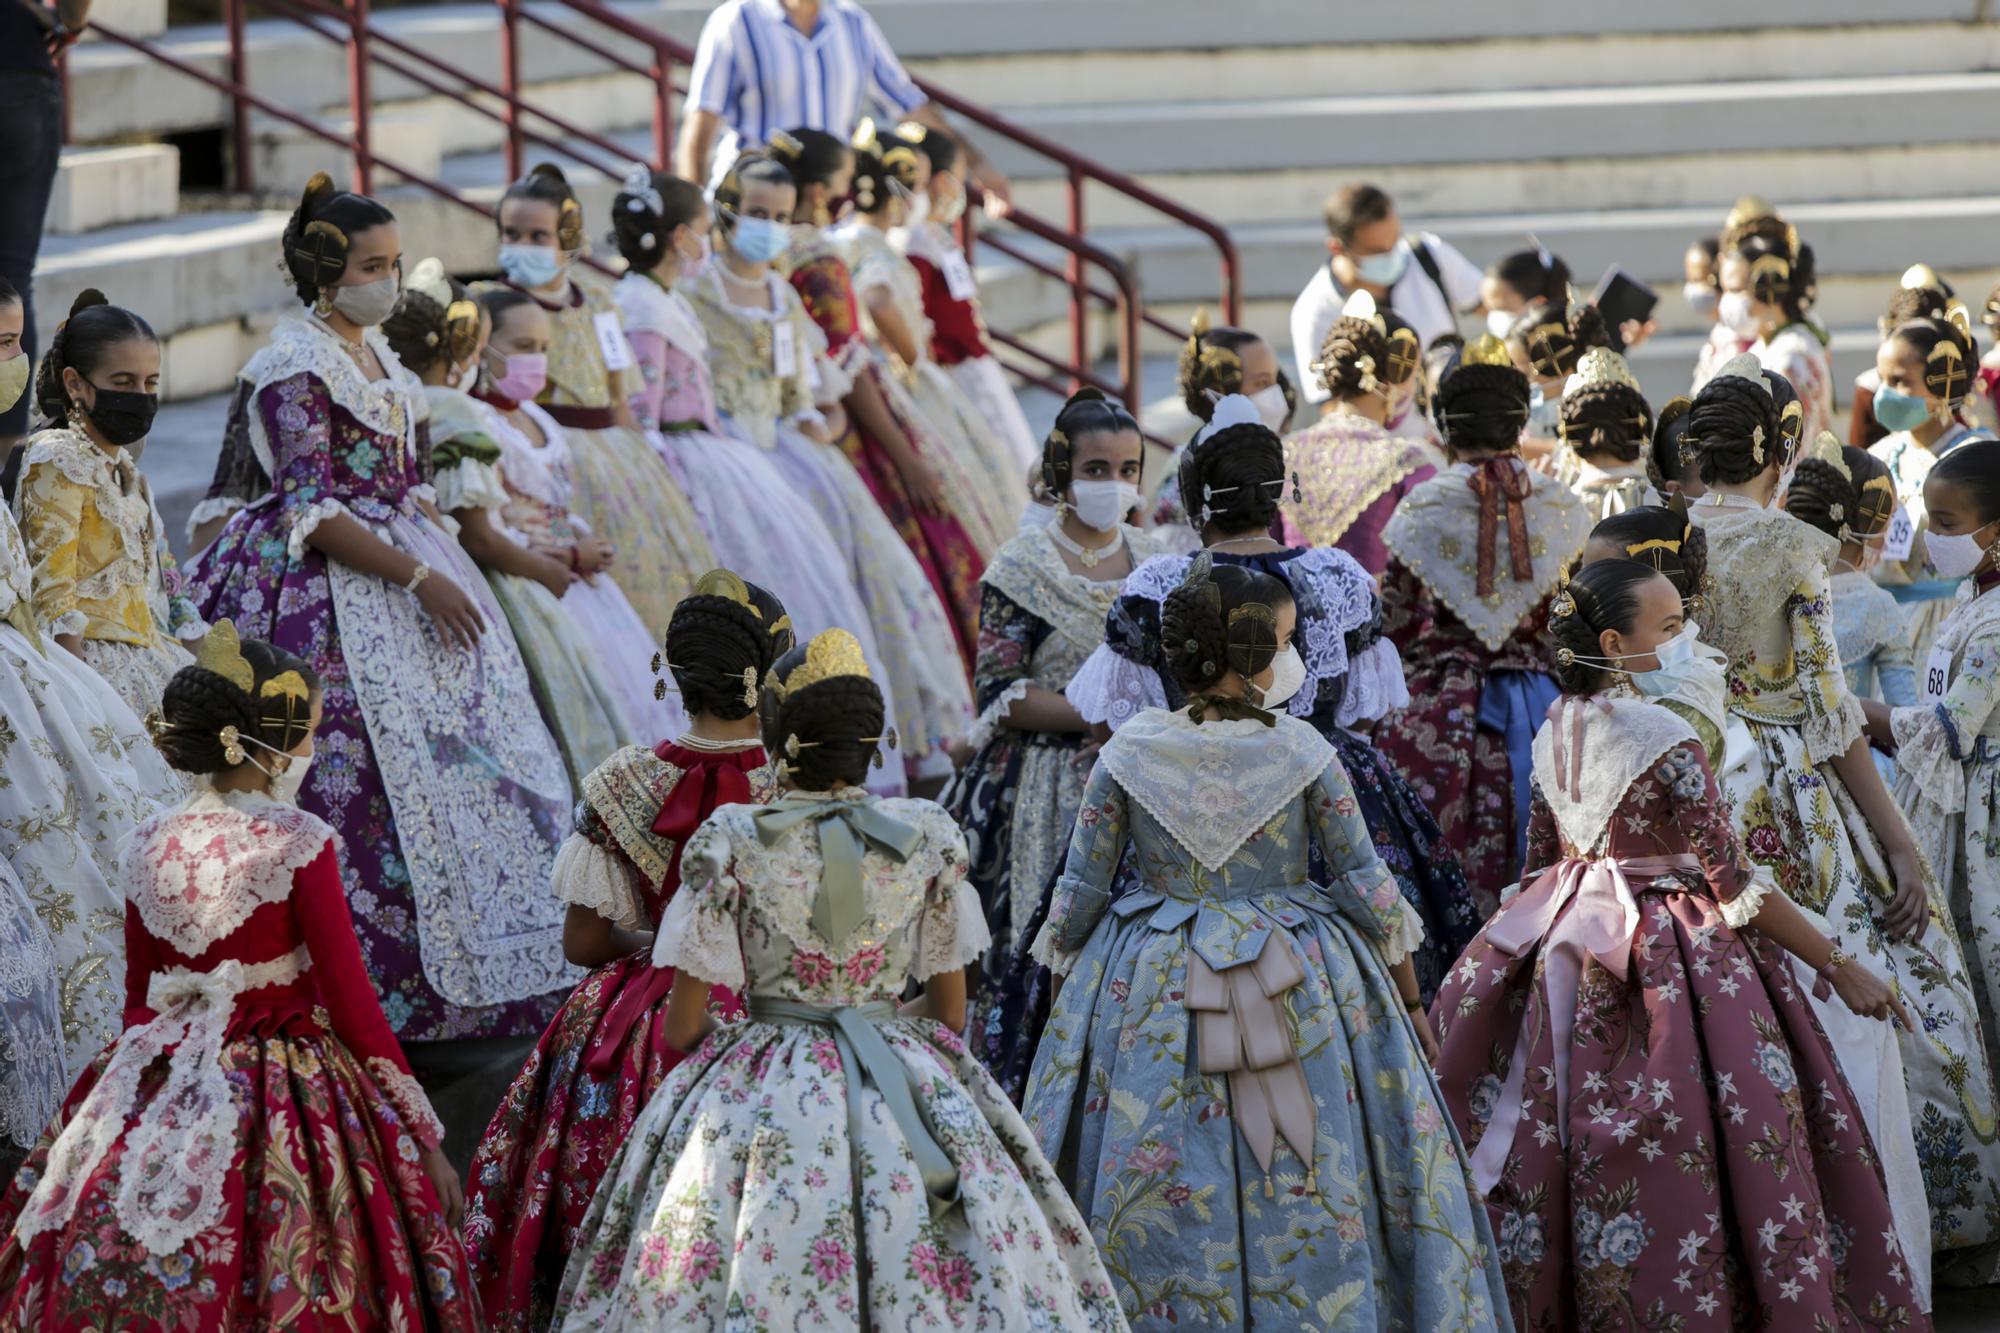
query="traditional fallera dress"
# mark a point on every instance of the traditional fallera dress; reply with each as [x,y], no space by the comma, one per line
[581,708]
[1352,474]
[1659,1125]
[1771,614]
[1607,490]
[77,775]
[909,640]
[825,1163]
[1353,677]
[627,492]
[92,537]
[1465,597]
[1228,1084]
[573,1104]
[958,336]
[432,759]
[1018,796]
[1925,597]
[954,546]
[957,422]
[536,477]
[1799,354]
[246,1154]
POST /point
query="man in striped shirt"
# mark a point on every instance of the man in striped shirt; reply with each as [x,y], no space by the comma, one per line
[768,65]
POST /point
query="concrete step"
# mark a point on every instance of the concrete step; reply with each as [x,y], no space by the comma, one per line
[104,187]
[131,18]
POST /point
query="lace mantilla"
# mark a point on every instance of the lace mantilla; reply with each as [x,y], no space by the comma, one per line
[1756,555]
[413,1105]
[1030,570]
[197,873]
[174,1174]
[1212,785]
[1346,463]
[647,307]
[1590,753]
[389,406]
[1433,533]
[127,506]
[626,792]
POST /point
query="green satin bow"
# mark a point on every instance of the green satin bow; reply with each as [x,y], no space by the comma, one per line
[844,825]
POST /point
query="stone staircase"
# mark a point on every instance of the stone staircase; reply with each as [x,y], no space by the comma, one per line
[1614,132]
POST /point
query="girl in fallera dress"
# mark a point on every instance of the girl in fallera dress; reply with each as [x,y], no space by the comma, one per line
[439,332]
[1769,283]
[1475,555]
[85,509]
[892,188]
[1809,807]
[1216,362]
[832,1161]
[572,1106]
[252,1150]
[449,792]
[914,475]
[758,523]
[1046,596]
[1353,467]
[1658,1124]
[1921,294]
[623,488]
[1605,424]
[1547,344]
[1228,1083]
[535,474]
[1670,466]
[762,356]
[951,295]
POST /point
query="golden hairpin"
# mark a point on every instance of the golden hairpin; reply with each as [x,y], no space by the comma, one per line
[1564,657]
[221,651]
[723,583]
[232,745]
[832,654]
[780,625]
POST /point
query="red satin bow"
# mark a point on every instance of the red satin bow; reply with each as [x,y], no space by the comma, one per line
[1501,480]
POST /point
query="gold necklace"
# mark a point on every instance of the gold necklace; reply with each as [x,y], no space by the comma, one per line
[1089,555]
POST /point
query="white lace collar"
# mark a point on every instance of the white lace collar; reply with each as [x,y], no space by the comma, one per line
[1212,785]
[647,307]
[388,406]
[718,292]
[1591,751]
[196,873]
[1031,571]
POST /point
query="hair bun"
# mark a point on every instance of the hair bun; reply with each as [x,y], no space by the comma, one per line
[85,299]
[318,190]
[550,171]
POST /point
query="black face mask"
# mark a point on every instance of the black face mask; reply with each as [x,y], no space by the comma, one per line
[121,415]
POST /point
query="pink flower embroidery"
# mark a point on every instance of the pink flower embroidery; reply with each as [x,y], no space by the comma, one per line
[826,1055]
[701,1261]
[830,1260]
[1153,1158]
[952,1277]
[813,970]
[655,1257]
[862,966]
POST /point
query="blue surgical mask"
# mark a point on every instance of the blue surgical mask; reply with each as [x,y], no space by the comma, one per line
[1385,269]
[759,240]
[1897,410]
[531,265]
[1677,660]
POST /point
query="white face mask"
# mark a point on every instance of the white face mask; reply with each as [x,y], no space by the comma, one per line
[1102,505]
[1954,557]
[919,210]
[1288,673]
[285,787]
[368,303]
[1498,322]
[1272,409]
[1733,312]
[1701,297]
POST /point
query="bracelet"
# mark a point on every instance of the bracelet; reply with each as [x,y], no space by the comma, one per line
[423,571]
[1836,960]
[1411,1006]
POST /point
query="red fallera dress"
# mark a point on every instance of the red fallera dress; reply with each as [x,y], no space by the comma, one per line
[246,1153]
[571,1107]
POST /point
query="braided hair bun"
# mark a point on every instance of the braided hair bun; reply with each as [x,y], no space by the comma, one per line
[1607,420]
[1660,536]
[545,183]
[1600,596]
[1210,625]
[1734,429]
[423,330]
[1950,357]
[1667,461]
[1482,407]
[827,731]
[721,640]
[1555,340]
[1210,363]
[320,232]
[1236,476]
[1852,500]
[647,210]
[1354,358]
[199,703]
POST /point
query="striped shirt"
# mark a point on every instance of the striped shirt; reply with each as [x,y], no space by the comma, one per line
[760,74]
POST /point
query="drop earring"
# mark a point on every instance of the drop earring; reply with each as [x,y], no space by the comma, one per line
[322,303]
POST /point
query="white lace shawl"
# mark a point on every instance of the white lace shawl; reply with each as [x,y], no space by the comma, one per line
[1212,785]
[646,307]
[389,406]
[195,874]
[1434,534]
[540,471]
[1621,739]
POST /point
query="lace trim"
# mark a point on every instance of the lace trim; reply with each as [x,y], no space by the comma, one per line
[1741,910]
[953,933]
[626,792]
[1112,689]
[1621,740]
[469,484]
[1753,552]
[646,307]
[1829,735]
[130,514]
[1030,570]
[1346,463]
[307,521]
[992,719]
[413,1105]
[214,507]
[1405,937]
[585,875]
[174,1174]
[1337,596]
[698,932]
[69,622]
[1375,685]
[197,874]
[390,406]
[1212,785]
[1061,962]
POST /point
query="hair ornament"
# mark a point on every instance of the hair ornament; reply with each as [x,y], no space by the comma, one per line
[1485,350]
[1920,276]
[1959,318]
[221,651]
[782,625]
[323,246]
[1757,444]
[638,185]
[750,687]
[1404,355]
[1565,658]
[1744,366]
[1827,450]
[832,654]
[1231,410]
[569,225]
[1601,365]
[232,745]
[722,583]
[156,727]
[1360,305]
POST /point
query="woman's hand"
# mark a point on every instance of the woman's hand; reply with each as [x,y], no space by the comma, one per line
[1867,994]
[1909,911]
[1425,1037]
[1880,734]
[553,573]
[452,610]
[593,554]
[451,1195]
[1635,331]
[926,491]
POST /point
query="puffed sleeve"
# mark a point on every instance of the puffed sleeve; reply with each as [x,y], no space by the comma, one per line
[1083,893]
[1008,637]
[1697,810]
[700,933]
[51,511]
[1934,742]
[952,931]
[465,462]
[1364,889]
[297,418]
[1833,715]
[1122,677]
[589,874]
[319,905]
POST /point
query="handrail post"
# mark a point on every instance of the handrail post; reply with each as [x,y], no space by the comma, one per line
[239,110]
[1128,350]
[663,110]
[1079,310]
[510,82]
[358,96]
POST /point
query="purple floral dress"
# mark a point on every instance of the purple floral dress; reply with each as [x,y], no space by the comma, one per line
[432,762]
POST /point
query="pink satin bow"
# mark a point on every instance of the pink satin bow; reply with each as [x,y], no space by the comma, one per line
[1241,1030]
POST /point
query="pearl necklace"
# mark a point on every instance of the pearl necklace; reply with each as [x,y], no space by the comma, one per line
[1088,555]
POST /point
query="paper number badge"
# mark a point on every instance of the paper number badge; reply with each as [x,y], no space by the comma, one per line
[1902,535]
[611,341]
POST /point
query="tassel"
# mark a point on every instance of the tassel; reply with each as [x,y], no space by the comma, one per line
[1269,1193]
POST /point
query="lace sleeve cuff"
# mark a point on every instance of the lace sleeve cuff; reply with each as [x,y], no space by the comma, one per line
[1375,685]
[69,622]
[214,507]
[1061,962]
[469,484]
[1400,927]
[1930,750]
[1739,911]
[306,521]
[407,1096]
[586,875]
[698,938]
[993,717]
[1110,688]
[954,932]
[1829,736]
